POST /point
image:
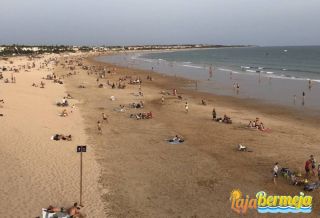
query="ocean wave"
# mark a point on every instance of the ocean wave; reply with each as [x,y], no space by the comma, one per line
[228,70]
[192,66]
[251,71]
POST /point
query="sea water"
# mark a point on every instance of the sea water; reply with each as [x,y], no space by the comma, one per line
[273,74]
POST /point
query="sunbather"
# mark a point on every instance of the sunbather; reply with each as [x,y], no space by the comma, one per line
[176,139]
[74,211]
[64,113]
[58,137]
[52,209]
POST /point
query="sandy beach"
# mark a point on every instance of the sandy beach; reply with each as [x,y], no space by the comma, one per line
[37,171]
[130,169]
[147,177]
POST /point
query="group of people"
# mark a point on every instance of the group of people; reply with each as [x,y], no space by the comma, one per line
[42,84]
[58,137]
[311,170]
[310,167]
[143,115]
[99,123]
[226,119]
[63,103]
[137,105]
[73,211]
[256,124]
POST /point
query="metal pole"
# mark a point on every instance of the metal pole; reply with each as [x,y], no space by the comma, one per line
[81,178]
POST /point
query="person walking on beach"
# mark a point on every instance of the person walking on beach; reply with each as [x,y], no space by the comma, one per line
[99,127]
[186,106]
[214,114]
[162,100]
[275,172]
[303,97]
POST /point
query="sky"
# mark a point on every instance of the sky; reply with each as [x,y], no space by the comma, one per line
[139,22]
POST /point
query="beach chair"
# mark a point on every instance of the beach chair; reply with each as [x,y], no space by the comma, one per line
[45,214]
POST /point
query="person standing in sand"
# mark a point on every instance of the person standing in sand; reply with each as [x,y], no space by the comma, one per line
[313,165]
[214,114]
[162,100]
[307,167]
[186,106]
[99,127]
[275,173]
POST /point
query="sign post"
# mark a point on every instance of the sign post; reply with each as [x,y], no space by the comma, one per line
[81,149]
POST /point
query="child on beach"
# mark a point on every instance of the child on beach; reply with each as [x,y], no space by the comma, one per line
[186,106]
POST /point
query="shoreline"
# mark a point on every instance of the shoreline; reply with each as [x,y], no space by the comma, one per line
[278,90]
[244,103]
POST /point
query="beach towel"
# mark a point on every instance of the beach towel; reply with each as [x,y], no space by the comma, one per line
[46,214]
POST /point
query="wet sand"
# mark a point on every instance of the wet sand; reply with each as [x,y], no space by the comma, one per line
[144,176]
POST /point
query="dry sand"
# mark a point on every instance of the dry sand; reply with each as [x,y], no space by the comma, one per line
[36,171]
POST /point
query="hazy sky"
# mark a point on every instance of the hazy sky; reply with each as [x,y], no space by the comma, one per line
[123,22]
